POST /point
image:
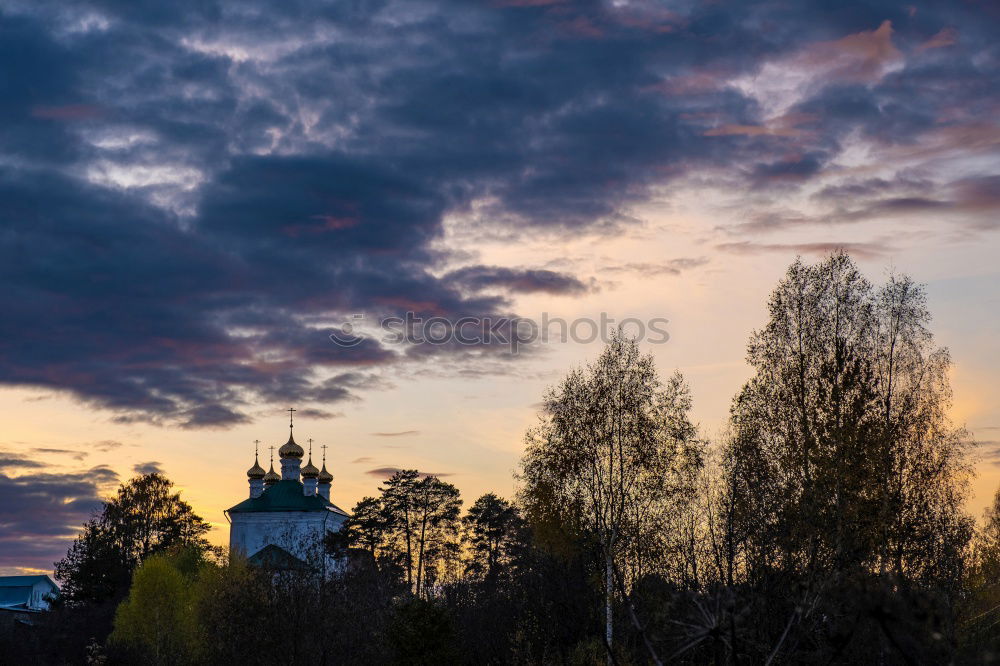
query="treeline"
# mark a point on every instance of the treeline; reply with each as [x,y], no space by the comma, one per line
[825,525]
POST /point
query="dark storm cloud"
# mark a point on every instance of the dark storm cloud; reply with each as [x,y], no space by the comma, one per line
[41,512]
[518,280]
[194,196]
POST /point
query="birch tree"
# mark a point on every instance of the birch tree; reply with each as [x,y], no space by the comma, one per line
[614,448]
[842,451]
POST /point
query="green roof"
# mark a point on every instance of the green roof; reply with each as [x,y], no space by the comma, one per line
[285,496]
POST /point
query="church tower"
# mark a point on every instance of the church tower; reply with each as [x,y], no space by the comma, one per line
[256,474]
[310,473]
[286,518]
[290,454]
[325,479]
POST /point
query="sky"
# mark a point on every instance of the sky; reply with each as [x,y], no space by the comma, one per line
[195,196]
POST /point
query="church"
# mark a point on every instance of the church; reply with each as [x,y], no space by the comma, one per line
[284,522]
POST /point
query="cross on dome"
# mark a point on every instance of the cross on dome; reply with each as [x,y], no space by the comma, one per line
[256,472]
[271,476]
[310,471]
[290,449]
[324,476]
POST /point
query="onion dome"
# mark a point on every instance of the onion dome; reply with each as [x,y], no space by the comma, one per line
[290,449]
[310,471]
[325,476]
[271,477]
[255,472]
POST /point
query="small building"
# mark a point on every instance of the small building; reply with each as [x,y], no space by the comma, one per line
[22,597]
[286,518]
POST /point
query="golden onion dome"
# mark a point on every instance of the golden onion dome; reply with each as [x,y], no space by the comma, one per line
[255,472]
[290,449]
[271,477]
[310,471]
[325,476]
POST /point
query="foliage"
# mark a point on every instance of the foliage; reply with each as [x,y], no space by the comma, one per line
[413,527]
[843,472]
[144,518]
[420,632]
[842,448]
[155,624]
[613,455]
[825,526]
[492,524]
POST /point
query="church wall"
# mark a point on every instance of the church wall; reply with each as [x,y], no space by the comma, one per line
[301,533]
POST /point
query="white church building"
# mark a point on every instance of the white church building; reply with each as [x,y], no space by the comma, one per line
[285,521]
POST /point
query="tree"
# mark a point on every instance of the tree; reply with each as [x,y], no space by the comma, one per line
[436,510]
[614,448]
[397,500]
[421,633]
[367,525]
[156,623]
[982,605]
[842,462]
[491,523]
[413,525]
[144,518]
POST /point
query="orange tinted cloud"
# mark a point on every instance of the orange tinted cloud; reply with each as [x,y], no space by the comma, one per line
[863,56]
[946,37]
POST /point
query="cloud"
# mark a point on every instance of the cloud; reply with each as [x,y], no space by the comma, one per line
[107,445]
[946,37]
[781,126]
[211,416]
[400,433]
[991,451]
[319,414]
[18,461]
[66,112]
[151,467]
[186,225]
[72,453]
[519,280]
[363,459]
[863,57]
[860,249]
[646,269]
[40,513]
[386,472]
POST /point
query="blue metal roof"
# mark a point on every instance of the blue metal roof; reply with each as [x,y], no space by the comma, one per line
[24,581]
